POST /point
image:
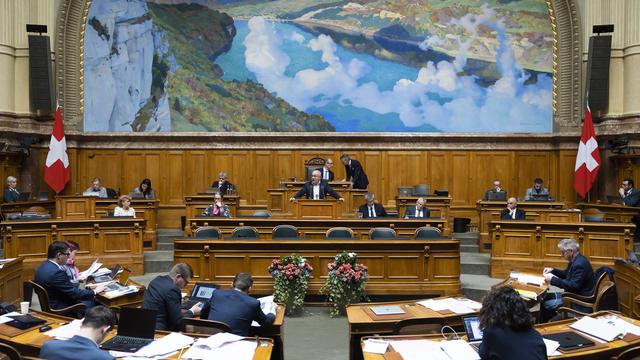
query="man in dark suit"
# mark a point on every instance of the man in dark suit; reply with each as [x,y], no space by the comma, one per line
[236,308]
[222,184]
[325,172]
[355,172]
[11,194]
[496,192]
[371,209]
[630,195]
[417,211]
[316,189]
[577,278]
[84,345]
[163,295]
[512,212]
[52,276]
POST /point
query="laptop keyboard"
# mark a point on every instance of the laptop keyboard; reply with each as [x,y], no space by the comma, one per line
[128,341]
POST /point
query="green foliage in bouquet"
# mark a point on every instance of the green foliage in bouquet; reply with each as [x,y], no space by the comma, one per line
[290,281]
[346,282]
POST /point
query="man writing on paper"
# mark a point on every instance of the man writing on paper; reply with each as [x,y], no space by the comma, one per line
[316,189]
[236,308]
[95,326]
[577,278]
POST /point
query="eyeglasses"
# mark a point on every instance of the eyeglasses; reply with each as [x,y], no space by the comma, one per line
[65,253]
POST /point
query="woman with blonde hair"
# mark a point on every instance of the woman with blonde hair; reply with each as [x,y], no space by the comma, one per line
[124,207]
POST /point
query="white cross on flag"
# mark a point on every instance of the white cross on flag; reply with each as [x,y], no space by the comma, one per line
[56,171]
[588,159]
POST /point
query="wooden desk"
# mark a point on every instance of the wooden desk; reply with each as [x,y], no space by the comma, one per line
[20,206]
[75,207]
[398,267]
[274,332]
[126,300]
[529,246]
[30,343]
[535,210]
[145,209]
[601,352]
[361,324]
[114,241]
[196,204]
[280,206]
[612,212]
[317,209]
[11,279]
[439,206]
[315,229]
[627,279]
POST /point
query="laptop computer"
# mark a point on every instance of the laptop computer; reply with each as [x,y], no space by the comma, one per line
[472,328]
[540,197]
[91,193]
[122,281]
[497,196]
[24,196]
[202,292]
[614,199]
[570,340]
[108,277]
[136,329]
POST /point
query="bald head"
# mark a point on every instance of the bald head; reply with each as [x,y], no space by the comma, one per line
[512,203]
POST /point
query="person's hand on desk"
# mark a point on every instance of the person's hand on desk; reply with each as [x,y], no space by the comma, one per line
[196,309]
[547,270]
[548,276]
[99,288]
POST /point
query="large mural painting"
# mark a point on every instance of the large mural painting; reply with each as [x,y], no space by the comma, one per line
[318,66]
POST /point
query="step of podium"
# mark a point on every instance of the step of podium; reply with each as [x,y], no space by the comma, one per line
[475,287]
[474,263]
[158,261]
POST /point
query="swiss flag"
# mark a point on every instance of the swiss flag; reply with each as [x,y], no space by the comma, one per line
[588,159]
[56,171]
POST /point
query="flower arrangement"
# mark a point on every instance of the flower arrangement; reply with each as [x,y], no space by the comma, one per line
[346,282]
[290,281]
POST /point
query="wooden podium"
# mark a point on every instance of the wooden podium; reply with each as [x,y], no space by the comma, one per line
[75,207]
[317,209]
[11,279]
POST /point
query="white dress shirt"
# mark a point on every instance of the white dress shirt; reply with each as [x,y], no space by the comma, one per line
[316,192]
[372,211]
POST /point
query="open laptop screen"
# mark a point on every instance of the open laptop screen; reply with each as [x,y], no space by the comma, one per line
[137,322]
[472,328]
[203,291]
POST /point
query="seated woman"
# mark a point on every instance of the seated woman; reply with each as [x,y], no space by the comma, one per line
[218,208]
[70,267]
[11,194]
[507,328]
[144,191]
[124,207]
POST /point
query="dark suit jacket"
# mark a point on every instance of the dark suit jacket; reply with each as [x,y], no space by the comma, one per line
[236,309]
[223,189]
[506,344]
[411,212]
[380,212]
[307,189]
[77,347]
[578,277]
[321,169]
[62,293]
[10,195]
[163,296]
[632,199]
[356,173]
[520,215]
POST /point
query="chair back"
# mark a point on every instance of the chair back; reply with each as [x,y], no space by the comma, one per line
[42,294]
[421,190]
[419,326]
[428,232]
[207,232]
[201,326]
[339,233]
[606,296]
[112,193]
[629,354]
[262,213]
[285,232]
[9,352]
[245,232]
[312,164]
[381,233]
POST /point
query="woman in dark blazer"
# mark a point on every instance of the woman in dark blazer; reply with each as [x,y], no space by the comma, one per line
[507,328]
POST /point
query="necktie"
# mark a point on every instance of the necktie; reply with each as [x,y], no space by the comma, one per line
[513,214]
[372,213]
[326,175]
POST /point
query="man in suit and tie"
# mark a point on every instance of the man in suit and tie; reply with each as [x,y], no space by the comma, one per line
[316,189]
[163,295]
[222,184]
[355,172]
[236,308]
[84,345]
[11,194]
[512,212]
[52,276]
[325,171]
[371,209]
[630,195]
[417,211]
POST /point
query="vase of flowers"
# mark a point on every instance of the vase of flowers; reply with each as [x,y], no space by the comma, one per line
[290,281]
[346,282]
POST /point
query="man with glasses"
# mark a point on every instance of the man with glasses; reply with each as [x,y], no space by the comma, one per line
[52,276]
[164,296]
[222,184]
[630,195]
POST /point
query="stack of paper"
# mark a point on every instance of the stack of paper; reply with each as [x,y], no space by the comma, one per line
[375,346]
[165,345]
[600,328]
[622,325]
[66,332]
[456,305]
[267,306]
[221,346]
[91,270]
[100,272]
[121,291]
[527,294]
[434,350]
[527,279]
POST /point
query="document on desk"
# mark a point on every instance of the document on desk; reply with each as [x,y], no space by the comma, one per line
[387,310]
[7,317]
[527,278]
[622,325]
[599,328]
[165,345]
[419,349]
[217,340]
[266,304]
[552,346]
[67,331]
[239,350]
[122,290]
[91,270]
[459,350]
[456,305]
[375,346]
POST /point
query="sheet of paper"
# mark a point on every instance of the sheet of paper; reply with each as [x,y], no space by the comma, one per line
[375,346]
[419,349]
[456,305]
[92,269]
[623,325]
[267,306]
[65,332]
[122,291]
[239,350]
[435,305]
[459,350]
[167,344]
[599,328]
[217,340]
[528,278]
[551,346]
[6,317]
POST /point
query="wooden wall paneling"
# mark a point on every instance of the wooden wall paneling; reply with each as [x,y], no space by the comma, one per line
[373,165]
[284,165]
[530,165]
[438,173]
[196,169]
[243,169]
[403,169]
[138,165]
[178,175]
[564,183]
[460,179]
[488,166]
[263,177]
[105,164]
